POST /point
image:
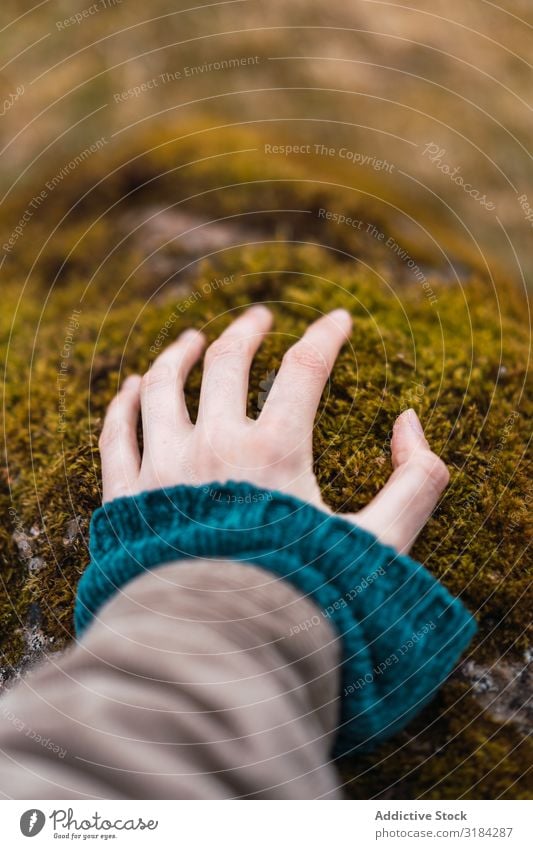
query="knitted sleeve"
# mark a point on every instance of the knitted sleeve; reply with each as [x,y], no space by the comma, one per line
[401,630]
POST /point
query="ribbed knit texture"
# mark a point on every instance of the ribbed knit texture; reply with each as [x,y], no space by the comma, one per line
[401,630]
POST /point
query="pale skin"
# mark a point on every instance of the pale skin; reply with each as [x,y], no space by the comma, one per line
[273,451]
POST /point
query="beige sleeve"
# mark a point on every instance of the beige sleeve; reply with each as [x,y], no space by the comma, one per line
[200,680]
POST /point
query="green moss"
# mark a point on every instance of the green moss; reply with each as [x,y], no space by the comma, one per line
[458,356]
[453,750]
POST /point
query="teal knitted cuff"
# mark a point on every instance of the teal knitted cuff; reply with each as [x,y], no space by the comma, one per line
[401,631]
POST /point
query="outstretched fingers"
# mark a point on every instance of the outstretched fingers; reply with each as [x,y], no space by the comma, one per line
[401,509]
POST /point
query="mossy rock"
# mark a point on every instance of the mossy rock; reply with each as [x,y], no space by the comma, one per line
[152,236]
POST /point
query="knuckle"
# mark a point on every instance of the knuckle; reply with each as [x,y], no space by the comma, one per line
[275,447]
[156,377]
[307,358]
[434,469]
[224,347]
[112,432]
[268,451]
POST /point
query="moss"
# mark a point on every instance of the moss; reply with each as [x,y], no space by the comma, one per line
[453,349]
[451,751]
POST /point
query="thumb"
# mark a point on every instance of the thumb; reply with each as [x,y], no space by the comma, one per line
[401,509]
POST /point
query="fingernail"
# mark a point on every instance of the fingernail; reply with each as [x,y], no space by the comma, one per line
[414,422]
[343,318]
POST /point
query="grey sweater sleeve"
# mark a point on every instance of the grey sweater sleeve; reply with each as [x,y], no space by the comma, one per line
[198,681]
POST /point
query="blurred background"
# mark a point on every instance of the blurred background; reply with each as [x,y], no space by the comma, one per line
[438,91]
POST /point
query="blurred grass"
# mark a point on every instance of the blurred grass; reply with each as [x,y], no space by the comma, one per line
[384,78]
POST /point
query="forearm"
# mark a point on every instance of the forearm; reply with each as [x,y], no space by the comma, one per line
[219,678]
[377,600]
[198,680]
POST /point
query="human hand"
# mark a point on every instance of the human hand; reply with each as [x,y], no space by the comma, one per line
[273,451]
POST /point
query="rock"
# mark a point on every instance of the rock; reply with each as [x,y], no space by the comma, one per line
[23,543]
[169,239]
[503,690]
[72,530]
